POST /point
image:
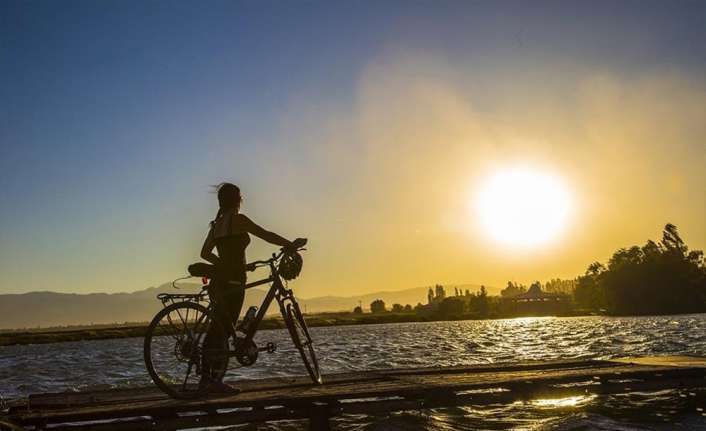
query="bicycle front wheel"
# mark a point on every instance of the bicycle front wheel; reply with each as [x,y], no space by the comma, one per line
[299,332]
[175,349]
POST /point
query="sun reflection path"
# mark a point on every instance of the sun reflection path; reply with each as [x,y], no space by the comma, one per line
[565,402]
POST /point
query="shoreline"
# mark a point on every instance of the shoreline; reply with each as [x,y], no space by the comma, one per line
[133,330]
[9,337]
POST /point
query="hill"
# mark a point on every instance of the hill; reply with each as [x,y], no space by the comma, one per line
[47,309]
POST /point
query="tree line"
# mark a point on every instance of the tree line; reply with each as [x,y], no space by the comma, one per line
[664,277]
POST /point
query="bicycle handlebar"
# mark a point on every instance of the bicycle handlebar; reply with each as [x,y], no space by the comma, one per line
[275,257]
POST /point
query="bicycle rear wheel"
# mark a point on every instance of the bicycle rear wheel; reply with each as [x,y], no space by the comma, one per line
[174,351]
[299,332]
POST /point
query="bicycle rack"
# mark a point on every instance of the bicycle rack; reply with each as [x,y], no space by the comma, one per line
[173,298]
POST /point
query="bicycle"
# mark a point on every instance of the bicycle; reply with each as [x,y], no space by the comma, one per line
[174,342]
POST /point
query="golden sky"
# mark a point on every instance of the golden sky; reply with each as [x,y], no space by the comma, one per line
[367,130]
[629,151]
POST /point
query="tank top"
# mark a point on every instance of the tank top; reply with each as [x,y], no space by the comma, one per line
[231,247]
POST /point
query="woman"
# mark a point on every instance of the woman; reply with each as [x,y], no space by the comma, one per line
[229,236]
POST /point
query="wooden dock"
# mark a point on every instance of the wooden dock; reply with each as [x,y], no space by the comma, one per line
[367,392]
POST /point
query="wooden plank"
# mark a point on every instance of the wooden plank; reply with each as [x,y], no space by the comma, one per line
[513,366]
[363,407]
[671,361]
[348,389]
[67,399]
[406,386]
[296,395]
[282,396]
[550,376]
[152,393]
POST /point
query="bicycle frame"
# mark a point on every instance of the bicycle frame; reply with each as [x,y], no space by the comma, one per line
[189,344]
[276,290]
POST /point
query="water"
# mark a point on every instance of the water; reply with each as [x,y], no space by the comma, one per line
[119,363]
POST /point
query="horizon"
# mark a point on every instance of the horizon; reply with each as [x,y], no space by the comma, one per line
[263,289]
[411,144]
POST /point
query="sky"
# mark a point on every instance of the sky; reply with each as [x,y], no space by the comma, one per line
[367,127]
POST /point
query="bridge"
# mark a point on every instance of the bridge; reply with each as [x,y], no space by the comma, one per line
[366,392]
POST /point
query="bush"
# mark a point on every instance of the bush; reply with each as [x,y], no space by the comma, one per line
[377,306]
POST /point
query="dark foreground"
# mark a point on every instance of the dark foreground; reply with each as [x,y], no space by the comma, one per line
[361,393]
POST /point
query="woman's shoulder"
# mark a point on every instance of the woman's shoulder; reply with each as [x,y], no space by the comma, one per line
[241,220]
[240,217]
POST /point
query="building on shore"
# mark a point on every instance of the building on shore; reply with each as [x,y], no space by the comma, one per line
[535,302]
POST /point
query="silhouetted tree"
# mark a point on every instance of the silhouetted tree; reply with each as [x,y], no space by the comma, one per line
[512,289]
[451,306]
[564,287]
[479,303]
[397,308]
[408,308]
[358,310]
[588,293]
[657,278]
[377,306]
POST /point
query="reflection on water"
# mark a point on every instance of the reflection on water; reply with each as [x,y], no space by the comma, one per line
[566,402]
[119,363]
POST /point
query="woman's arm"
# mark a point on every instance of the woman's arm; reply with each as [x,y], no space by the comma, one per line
[271,237]
[207,249]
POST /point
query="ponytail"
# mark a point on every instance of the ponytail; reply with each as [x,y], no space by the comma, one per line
[218,215]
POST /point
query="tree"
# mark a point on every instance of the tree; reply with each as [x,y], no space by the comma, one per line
[358,310]
[563,287]
[512,289]
[672,241]
[397,308]
[451,306]
[408,308]
[657,278]
[479,302]
[377,306]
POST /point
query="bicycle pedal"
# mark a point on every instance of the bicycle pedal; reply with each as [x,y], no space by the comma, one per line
[269,348]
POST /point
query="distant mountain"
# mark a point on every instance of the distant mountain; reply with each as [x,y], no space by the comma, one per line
[407,296]
[44,309]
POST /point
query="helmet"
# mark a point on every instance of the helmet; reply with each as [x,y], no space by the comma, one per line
[290,265]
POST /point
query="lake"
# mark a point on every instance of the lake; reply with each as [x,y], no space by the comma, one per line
[118,363]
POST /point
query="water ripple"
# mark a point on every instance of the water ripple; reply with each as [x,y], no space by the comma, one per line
[118,363]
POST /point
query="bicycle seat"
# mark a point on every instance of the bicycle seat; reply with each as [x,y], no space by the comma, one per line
[201,269]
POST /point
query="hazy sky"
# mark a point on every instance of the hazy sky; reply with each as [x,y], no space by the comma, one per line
[364,126]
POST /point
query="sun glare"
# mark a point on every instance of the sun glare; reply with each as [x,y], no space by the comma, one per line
[522,207]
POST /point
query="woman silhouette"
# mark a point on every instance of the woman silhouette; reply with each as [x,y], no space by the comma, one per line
[229,235]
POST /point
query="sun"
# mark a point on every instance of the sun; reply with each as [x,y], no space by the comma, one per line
[522,207]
